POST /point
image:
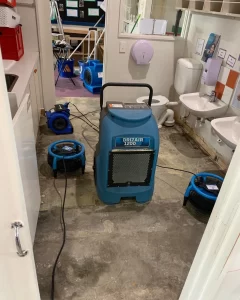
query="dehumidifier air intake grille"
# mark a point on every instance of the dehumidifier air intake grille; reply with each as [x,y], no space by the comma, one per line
[130,168]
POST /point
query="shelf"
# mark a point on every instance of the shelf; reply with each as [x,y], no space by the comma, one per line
[223,14]
[226,8]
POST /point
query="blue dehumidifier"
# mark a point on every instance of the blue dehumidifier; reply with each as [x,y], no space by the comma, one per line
[127,152]
[92,76]
[203,191]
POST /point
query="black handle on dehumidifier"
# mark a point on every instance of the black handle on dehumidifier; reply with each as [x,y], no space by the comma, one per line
[116,84]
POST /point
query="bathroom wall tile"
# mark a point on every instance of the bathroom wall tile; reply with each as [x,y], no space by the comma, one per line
[227,94]
[219,90]
[223,75]
[232,79]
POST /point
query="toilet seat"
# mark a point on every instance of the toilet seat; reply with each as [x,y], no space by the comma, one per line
[159,105]
[156,100]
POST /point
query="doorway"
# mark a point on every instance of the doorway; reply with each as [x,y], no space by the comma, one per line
[78,43]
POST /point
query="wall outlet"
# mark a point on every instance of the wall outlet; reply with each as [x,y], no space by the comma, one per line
[122,46]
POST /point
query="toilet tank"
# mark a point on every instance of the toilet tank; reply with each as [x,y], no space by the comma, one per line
[187,75]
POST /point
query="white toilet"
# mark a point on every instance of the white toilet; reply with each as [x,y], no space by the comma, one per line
[186,81]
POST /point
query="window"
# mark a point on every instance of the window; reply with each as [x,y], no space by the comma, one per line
[134,11]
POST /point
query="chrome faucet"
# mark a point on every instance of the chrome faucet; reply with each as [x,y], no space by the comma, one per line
[212,97]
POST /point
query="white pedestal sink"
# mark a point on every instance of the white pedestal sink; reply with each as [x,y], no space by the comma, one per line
[201,106]
[228,129]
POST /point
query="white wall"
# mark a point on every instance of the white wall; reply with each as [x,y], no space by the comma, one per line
[36,28]
[29,27]
[229,285]
[229,29]
[214,274]
[45,48]
[120,66]
[166,10]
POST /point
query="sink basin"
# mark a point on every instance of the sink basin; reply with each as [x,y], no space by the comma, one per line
[10,81]
[228,129]
[201,107]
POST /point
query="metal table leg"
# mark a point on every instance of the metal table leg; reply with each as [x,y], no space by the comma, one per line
[61,68]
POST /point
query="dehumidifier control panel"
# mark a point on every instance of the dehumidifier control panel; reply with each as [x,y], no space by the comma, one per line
[116,105]
[129,142]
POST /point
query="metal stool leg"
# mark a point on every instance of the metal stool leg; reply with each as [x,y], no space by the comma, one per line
[61,68]
[72,81]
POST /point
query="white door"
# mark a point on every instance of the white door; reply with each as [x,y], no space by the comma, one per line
[25,143]
[18,280]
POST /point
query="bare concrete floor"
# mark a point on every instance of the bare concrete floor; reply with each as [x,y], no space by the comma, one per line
[128,251]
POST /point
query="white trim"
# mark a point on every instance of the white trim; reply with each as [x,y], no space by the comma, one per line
[222,232]
[168,38]
[186,24]
[215,13]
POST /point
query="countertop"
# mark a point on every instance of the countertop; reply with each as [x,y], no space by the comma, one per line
[23,69]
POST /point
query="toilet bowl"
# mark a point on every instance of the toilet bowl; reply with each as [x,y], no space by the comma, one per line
[160,110]
[187,76]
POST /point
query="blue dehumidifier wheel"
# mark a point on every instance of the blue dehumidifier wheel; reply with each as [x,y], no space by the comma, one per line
[203,191]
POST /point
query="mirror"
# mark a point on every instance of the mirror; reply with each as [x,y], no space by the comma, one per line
[134,11]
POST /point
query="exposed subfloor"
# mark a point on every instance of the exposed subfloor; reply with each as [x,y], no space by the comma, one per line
[128,251]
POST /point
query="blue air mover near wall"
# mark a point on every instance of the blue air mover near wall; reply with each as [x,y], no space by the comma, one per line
[58,119]
[92,78]
[203,191]
[127,152]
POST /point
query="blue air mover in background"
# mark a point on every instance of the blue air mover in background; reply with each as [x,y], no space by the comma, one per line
[127,152]
[92,76]
[83,65]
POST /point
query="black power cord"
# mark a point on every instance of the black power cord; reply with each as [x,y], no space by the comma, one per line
[64,233]
[90,112]
[83,115]
[179,170]
[91,125]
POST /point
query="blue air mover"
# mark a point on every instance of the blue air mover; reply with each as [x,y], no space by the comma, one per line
[58,119]
[127,152]
[83,65]
[73,154]
[92,77]
[203,191]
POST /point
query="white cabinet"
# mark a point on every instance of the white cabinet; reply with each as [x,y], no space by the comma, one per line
[25,142]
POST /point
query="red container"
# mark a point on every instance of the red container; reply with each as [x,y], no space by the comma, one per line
[11,3]
[11,42]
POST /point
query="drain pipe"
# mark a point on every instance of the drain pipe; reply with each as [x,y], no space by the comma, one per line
[167,118]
